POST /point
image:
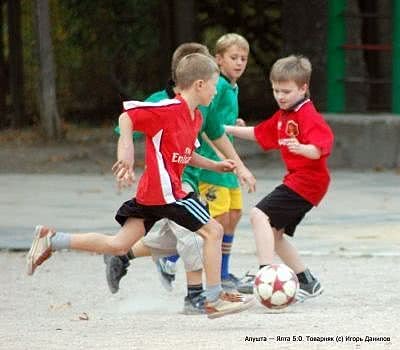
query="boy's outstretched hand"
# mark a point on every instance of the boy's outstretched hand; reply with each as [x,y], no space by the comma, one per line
[226,166]
[246,178]
[240,122]
[124,174]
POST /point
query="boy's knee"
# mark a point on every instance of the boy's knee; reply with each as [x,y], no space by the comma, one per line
[256,213]
[215,231]
[223,219]
[190,245]
[235,215]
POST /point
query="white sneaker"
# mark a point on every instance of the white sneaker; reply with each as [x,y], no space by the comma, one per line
[228,303]
[40,249]
[166,272]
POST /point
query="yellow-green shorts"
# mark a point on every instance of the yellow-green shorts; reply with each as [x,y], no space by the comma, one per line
[221,199]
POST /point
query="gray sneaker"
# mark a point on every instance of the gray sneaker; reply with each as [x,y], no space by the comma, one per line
[116,268]
[230,284]
[166,272]
[308,290]
[245,284]
[194,305]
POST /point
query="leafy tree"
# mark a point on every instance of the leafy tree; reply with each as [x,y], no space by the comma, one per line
[105,49]
[260,23]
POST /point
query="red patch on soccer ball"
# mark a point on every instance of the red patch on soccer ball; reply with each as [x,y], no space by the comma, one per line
[275,286]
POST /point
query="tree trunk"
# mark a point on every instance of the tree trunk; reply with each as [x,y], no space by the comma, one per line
[49,117]
[184,22]
[15,62]
[177,21]
[3,75]
[304,24]
[166,41]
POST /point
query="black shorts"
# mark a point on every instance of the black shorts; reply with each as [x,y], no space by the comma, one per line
[188,212]
[284,208]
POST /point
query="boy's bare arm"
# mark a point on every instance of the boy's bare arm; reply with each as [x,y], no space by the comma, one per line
[226,165]
[242,132]
[123,168]
[245,176]
[309,151]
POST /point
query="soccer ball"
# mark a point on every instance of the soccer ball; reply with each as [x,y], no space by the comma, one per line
[275,286]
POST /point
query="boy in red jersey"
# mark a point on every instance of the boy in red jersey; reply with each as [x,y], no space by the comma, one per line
[171,127]
[305,141]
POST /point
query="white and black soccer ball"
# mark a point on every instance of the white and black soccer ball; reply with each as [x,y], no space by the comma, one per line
[275,286]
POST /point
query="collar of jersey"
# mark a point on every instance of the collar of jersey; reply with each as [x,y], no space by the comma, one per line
[228,81]
[298,105]
[170,88]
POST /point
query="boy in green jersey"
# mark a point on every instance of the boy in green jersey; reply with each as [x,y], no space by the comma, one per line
[222,191]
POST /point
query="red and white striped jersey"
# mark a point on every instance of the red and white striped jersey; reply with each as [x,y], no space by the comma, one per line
[171,137]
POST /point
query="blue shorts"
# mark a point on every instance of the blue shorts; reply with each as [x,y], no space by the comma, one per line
[188,212]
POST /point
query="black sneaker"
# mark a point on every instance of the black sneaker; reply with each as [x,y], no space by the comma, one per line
[116,268]
[194,305]
[230,284]
[308,290]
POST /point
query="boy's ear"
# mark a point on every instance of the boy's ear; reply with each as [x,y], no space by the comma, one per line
[218,59]
[199,83]
[304,88]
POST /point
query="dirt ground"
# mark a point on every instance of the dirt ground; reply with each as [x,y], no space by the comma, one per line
[84,150]
[67,305]
[61,308]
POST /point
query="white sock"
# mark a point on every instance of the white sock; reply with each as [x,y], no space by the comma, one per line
[212,292]
[60,240]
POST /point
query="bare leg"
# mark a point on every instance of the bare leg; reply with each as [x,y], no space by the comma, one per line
[288,253]
[212,235]
[139,249]
[234,217]
[223,219]
[194,277]
[263,235]
[119,244]
[229,222]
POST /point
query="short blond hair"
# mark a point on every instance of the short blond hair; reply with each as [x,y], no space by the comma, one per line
[195,66]
[228,40]
[183,50]
[292,68]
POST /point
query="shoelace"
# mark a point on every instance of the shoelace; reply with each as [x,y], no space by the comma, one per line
[232,297]
[247,277]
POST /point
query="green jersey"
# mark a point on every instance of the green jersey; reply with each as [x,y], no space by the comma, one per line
[223,110]
[213,131]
